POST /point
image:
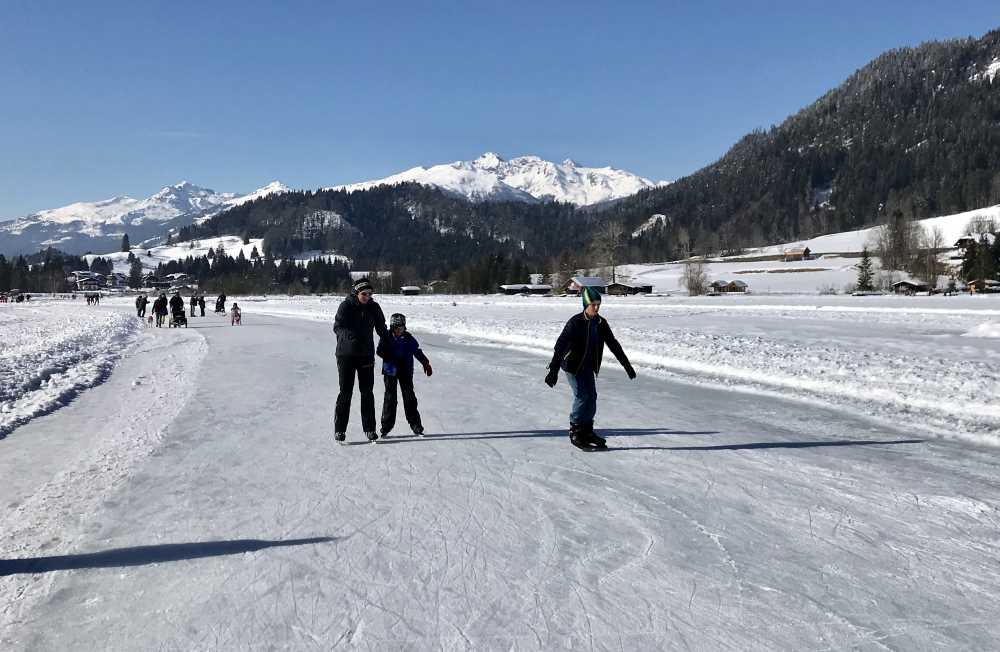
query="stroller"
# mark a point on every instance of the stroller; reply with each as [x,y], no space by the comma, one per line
[178,319]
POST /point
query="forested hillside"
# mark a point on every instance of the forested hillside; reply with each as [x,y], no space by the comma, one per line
[915,131]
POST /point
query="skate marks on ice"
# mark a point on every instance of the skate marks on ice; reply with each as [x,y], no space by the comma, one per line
[634,432]
[144,555]
[542,433]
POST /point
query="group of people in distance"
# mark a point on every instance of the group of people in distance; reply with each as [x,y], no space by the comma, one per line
[578,352]
[175,306]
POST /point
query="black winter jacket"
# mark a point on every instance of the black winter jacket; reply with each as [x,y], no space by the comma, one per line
[572,344]
[353,326]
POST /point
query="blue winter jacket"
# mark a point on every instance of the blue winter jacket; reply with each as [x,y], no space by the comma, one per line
[397,354]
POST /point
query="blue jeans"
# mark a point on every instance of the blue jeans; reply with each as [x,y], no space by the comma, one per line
[584,396]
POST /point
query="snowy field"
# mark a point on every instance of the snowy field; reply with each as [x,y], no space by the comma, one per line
[794,473]
[808,277]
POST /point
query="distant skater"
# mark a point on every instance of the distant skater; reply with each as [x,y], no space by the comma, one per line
[201,304]
[578,351]
[398,352]
[357,316]
[194,304]
[235,315]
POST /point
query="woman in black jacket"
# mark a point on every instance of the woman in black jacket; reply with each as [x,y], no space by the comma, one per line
[578,352]
[357,316]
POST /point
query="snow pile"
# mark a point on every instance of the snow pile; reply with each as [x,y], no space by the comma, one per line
[987,329]
[897,360]
[51,351]
[525,178]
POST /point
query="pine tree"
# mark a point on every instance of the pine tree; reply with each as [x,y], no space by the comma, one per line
[865,273]
[135,274]
[125,243]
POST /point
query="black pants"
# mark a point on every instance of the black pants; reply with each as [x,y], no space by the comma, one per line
[347,366]
[405,383]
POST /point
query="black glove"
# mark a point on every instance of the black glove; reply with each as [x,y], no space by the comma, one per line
[629,371]
[552,377]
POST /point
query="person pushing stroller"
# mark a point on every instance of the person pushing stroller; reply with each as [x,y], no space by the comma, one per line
[398,351]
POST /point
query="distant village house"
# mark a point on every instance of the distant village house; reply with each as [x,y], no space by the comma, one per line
[910,287]
[623,289]
[577,283]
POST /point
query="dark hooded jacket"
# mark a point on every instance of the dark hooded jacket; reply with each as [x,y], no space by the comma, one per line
[398,353]
[354,324]
[574,343]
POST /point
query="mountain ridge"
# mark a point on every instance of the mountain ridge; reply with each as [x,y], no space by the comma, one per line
[95,226]
[527,179]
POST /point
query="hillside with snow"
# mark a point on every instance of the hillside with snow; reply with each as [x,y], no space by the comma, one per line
[233,245]
[99,226]
[525,179]
[832,268]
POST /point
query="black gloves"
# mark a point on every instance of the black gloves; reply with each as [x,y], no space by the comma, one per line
[629,371]
[552,377]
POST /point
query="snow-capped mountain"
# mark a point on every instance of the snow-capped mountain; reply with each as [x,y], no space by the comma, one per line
[525,178]
[99,226]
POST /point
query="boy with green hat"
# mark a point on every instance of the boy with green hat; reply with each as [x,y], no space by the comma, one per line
[578,351]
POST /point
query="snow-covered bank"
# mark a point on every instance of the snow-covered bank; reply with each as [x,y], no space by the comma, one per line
[56,478]
[51,351]
[926,363]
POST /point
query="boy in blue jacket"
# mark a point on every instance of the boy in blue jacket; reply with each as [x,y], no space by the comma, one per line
[397,352]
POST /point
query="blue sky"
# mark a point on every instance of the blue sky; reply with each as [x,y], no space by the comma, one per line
[111,98]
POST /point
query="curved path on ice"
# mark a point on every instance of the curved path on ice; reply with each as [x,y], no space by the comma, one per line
[717,521]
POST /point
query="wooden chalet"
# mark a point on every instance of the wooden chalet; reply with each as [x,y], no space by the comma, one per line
[736,287]
[910,287]
[525,288]
[624,289]
[986,286]
[791,255]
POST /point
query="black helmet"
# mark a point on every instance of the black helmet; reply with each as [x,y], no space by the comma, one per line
[397,319]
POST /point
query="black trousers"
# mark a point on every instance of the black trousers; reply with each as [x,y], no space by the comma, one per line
[405,383]
[347,367]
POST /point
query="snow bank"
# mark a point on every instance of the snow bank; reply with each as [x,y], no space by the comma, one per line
[51,351]
[986,329]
